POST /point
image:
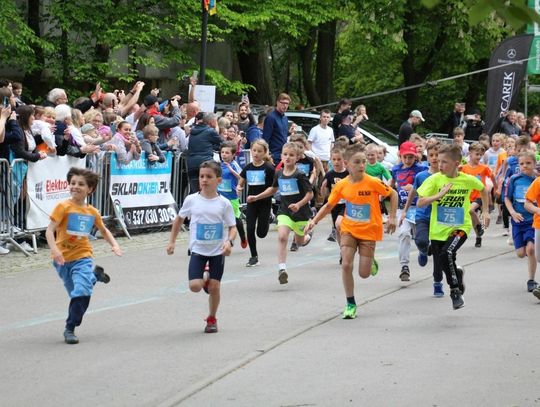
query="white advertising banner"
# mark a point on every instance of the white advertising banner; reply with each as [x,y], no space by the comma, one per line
[47,186]
[143,192]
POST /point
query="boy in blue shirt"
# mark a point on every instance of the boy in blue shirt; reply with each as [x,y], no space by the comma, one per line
[522,220]
[230,175]
[422,219]
[402,180]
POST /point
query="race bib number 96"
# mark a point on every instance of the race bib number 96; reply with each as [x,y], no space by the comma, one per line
[358,213]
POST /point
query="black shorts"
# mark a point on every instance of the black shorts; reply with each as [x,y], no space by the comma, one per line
[197,263]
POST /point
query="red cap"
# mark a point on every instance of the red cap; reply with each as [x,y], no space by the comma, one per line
[407,148]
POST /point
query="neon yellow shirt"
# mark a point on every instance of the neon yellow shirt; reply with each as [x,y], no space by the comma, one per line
[451,212]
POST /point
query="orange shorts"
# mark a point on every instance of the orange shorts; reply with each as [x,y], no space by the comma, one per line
[365,247]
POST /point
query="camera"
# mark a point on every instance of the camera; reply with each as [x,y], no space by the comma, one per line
[5,101]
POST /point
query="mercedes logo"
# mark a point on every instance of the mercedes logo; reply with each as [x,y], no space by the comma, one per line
[511,53]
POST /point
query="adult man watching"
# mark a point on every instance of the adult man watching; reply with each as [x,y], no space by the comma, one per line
[243,119]
[474,126]
[321,138]
[276,129]
[408,126]
[509,125]
[58,96]
[344,107]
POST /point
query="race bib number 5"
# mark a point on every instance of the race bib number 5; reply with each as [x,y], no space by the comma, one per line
[450,216]
[209,233]
[358,213]
[79,224]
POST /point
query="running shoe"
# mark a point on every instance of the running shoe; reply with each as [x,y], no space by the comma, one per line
[243,243]
[438,290]
[206,280]
[422,259]
[332,236]
[101,276]
[294,247]
[283,277]
[457,298]
[505,232]
[70,337]
[510,241]
[478,242]
[531,285]
[310,234]
[349,312]
[3,250]
[536,293]
[253,261]
[211,325]
[374,267]
[499,220]
[405,274]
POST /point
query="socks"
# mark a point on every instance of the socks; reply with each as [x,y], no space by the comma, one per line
[282,266]
[350,300]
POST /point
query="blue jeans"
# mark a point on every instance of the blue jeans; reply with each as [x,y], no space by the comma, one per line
[78,277]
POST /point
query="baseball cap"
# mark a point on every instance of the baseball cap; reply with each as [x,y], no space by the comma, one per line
[149,100]
[407,147]
[417,113]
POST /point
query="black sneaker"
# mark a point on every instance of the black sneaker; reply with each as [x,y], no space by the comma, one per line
[457,298]
[283,277]
[479,230]
[294,247]
[405,274]
[101,276]
[310,234]
[531,285]
[70,337]
[461,277]
[478,242]
[253,261]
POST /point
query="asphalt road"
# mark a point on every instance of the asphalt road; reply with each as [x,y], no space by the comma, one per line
[142,341]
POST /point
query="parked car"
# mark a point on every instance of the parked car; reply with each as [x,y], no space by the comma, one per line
[372,132]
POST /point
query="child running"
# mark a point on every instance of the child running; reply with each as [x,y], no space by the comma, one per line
[483,173]
[532,205]
[362,223]
[331,178]
[522,220]
[422,217]
[230,176]
[209,213]
[259,175]
[402,180]
[72,221]
[293,213]
[448,194]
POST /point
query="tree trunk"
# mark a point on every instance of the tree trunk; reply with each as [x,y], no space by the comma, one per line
[253,64]
[306,58]
[326,50]
[477,83]
[32,80]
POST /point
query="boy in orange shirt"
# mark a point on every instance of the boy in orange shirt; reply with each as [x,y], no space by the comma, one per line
[72,221]
[362,223]
[482,172]
[532,201]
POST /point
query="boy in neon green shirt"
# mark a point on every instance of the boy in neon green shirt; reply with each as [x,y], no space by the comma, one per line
[448,192]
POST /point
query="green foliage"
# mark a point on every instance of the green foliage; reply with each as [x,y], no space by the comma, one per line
[226,86]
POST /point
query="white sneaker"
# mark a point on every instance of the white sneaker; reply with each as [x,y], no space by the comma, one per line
[27,247]
[510,241]
[3,250]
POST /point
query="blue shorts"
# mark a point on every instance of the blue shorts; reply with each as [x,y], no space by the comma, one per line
[522,234]
[78,277]
[197,262]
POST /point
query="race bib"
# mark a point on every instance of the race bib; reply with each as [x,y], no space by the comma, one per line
[209,233]
[79,224]
[519,193]
[450,216]
[411,214]
[303,168]
[288,186]
[358,213]
[492,160]
[255,177]
[225,186]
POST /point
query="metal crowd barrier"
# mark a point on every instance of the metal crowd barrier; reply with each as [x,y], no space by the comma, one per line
[100,199]
[179,178]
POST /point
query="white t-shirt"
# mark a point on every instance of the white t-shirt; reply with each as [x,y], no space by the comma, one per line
[42,127]
[209,224]
[321,141]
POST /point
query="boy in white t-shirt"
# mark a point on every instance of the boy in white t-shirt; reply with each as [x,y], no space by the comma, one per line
[321,138]
[209,213]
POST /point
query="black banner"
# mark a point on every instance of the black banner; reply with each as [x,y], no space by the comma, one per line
[504,83]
